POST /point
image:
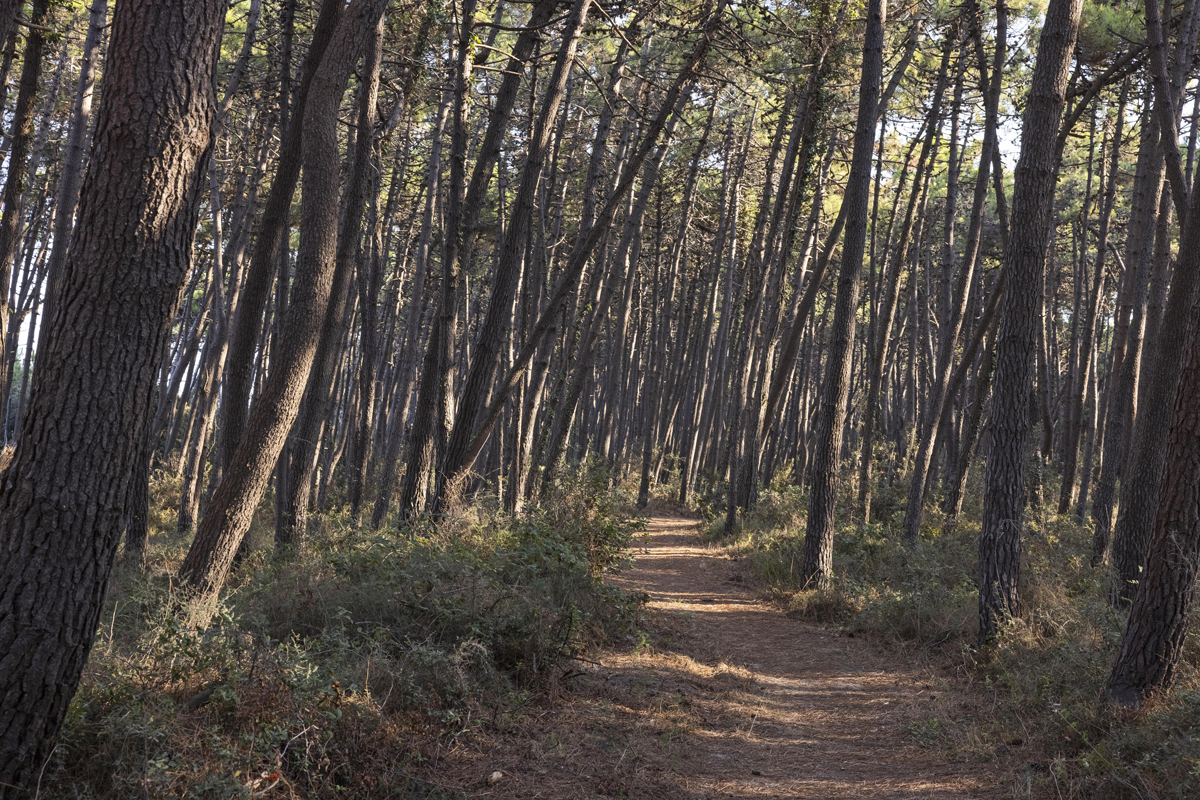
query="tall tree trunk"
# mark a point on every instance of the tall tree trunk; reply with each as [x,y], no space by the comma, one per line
[210,557]
[62,501]
[818,538]
[508,269]
[941,397]
[247,324]
[1153,639]
[1140,488]
[1008,422]
[302,451]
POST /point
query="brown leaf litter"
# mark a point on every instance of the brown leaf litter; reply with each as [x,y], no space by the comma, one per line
[729,697]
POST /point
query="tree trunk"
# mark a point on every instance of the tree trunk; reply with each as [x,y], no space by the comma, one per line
[508,269]
[1008,422]
[941,395]
[818,538]
[1140,488]
[1153,638]
[302,451]
[207,564]
[63,500]
[245,334]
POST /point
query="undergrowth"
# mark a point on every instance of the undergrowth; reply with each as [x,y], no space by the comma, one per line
[346,669]
[1038,690]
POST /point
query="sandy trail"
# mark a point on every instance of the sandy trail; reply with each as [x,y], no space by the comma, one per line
[730,698]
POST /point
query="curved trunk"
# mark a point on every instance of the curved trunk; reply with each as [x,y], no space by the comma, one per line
[210,557]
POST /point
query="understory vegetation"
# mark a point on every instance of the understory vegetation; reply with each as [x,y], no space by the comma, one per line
[347,669]
[1037,690]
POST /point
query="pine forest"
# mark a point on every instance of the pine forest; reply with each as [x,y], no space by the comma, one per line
[599,398]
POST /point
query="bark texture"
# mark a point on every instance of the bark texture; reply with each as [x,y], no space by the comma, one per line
[818,538]
[1032,213]
[210,557]
[62,502]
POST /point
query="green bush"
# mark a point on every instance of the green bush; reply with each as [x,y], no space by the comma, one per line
[1039,685]
[327,669]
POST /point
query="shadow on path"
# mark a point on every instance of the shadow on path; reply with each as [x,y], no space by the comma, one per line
[729,698]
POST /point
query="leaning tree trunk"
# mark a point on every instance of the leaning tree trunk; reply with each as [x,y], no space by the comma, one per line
[302,451]
[1140,488]
[210,557]
[1032,213]
[1153,638]
[818,538]
[247,323]
[486,355]
[62,502]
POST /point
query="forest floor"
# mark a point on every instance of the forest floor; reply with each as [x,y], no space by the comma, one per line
[726,696]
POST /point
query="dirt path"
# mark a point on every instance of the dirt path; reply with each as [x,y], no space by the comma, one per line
[729,698]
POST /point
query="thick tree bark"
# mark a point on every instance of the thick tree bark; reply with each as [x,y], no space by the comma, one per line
[1032,213]
[1153,638]
[207,564]
[248,322]
[818,538]
[302,451]
[62,503]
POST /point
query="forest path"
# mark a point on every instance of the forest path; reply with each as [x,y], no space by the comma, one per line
[729,698]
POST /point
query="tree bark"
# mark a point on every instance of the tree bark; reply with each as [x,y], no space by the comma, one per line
[244,336]
[62,502]
[210,557]
[818,538]
[1153,639]
[1032,213]
[941,396]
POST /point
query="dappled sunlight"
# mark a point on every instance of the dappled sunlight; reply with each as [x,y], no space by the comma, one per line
[785,708]
[730,697]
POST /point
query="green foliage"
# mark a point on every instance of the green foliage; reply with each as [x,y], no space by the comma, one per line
[1039,687]
[1105,29]
[325,670]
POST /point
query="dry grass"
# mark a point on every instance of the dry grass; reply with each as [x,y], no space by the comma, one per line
[1033,701]
[346,670]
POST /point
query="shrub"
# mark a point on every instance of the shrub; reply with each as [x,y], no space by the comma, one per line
[1039,685]
[334,669]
